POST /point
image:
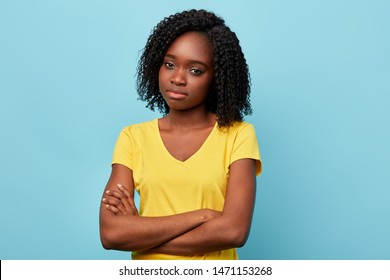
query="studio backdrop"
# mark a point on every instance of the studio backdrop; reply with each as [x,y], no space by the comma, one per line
[320,74]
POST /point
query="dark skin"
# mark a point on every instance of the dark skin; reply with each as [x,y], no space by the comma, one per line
[185,79]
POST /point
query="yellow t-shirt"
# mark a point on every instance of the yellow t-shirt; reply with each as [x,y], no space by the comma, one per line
[169,186]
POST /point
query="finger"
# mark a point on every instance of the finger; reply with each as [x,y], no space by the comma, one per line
[114,193]
[112,209]
[124,191]
[112,201]
[127,200]
[120,196]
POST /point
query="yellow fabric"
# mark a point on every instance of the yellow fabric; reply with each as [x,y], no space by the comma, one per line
[169,186]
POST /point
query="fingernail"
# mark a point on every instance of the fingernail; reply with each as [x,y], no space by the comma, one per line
[104,199]
[119,186]
[107,192]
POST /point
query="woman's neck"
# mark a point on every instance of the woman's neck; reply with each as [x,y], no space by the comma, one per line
[189,120]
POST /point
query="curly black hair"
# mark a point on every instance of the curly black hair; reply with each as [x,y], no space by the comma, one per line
[229,95]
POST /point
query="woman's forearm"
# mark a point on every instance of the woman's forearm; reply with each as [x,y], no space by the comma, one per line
[229,230]
[135,233]
[121,227]
[214,235]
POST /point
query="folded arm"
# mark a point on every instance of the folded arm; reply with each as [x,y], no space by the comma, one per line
[229,230]
[121,227]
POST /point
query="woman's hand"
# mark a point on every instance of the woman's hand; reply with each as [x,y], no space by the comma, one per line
[121,228]
[119,201]
[225,230]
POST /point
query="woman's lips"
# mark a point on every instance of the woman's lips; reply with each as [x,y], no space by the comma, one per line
[176,94]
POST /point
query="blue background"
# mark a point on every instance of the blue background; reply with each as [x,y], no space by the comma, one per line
[320,93]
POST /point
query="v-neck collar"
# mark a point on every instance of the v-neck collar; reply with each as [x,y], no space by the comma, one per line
[156,125]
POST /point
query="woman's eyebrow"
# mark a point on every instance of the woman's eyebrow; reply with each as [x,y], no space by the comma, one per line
[194,61]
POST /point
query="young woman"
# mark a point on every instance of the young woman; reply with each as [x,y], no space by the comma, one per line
[195,168]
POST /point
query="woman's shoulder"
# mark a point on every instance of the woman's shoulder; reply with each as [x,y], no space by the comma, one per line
[242,124]
[140,127]
[237,127]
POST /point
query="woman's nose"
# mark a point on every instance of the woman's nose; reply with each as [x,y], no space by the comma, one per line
[178,77]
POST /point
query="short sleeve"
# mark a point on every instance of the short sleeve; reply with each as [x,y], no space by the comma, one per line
[123,150]
[246,146]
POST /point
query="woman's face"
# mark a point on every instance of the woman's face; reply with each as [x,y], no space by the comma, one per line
[186,74]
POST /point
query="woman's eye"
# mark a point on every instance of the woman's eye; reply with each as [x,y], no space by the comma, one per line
[196,71]
[169,65]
